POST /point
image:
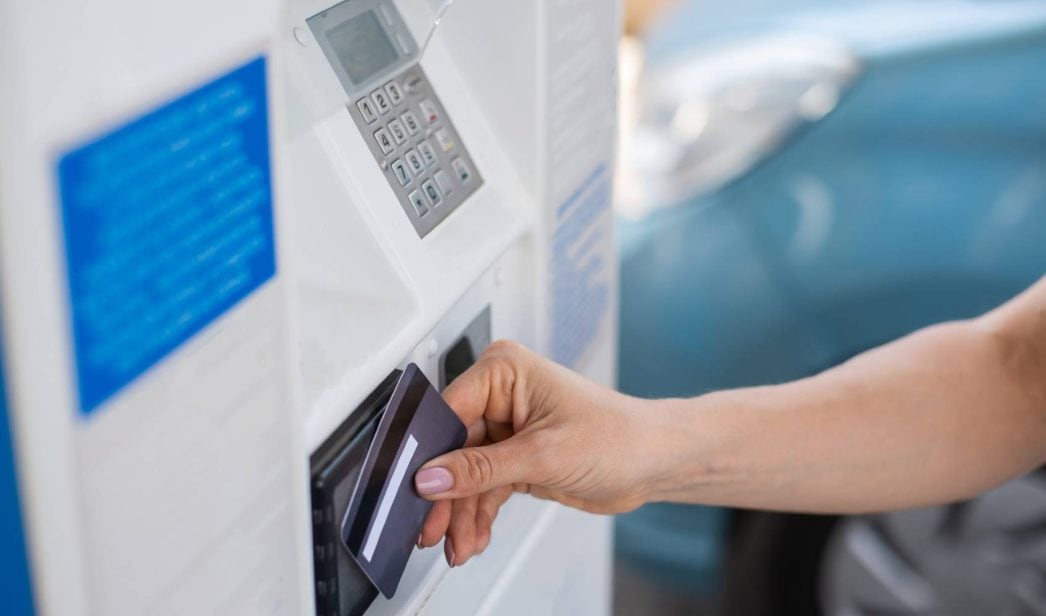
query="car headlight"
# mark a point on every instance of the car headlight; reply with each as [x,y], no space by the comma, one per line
[709,117]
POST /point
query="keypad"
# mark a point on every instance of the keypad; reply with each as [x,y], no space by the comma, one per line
[417,147]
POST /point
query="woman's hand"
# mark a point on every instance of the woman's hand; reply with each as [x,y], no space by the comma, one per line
[534,427]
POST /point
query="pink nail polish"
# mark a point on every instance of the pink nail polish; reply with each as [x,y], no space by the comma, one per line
[419,541]
[435,480]
[448,551]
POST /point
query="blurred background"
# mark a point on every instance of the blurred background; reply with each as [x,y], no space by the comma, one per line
[801,181]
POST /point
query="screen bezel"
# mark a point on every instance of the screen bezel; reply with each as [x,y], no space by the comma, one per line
[397,32]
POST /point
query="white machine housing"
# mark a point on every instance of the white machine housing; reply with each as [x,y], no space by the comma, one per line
[530,87]
[185,489]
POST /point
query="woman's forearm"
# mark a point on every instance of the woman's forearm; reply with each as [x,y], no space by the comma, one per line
[937,416]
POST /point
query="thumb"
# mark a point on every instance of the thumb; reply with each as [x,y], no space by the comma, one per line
[474,470]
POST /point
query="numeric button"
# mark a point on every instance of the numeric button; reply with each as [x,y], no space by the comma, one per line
[395,94]
[366,110]
[384,141]
[414,162]
[398,132]
[399,169]
[411,122]
[428,154]
[430,190]
[381,101]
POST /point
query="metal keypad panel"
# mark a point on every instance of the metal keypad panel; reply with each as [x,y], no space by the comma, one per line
[415,144]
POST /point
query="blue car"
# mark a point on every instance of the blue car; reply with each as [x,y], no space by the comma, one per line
[809,180]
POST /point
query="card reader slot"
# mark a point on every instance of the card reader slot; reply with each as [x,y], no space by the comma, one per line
[342,589]
[466,349]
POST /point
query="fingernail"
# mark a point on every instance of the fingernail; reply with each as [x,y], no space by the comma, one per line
[419,541]
[435,480]
[448,551]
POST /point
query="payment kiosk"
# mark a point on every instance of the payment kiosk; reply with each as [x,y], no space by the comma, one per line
[224,229]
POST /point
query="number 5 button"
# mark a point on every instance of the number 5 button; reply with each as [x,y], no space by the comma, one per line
[398,132]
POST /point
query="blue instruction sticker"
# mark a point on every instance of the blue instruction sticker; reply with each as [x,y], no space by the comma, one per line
[15,585]
[168,224]
[580,283]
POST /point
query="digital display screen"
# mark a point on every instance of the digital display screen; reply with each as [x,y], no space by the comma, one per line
[362,46]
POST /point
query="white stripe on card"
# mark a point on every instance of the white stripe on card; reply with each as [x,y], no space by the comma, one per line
[391,489]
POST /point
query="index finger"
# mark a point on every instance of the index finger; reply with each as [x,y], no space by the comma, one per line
[486,389]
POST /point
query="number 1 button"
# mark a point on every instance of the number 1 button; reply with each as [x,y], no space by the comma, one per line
[366,110]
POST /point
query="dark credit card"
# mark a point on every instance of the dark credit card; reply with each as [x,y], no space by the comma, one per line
[385,514]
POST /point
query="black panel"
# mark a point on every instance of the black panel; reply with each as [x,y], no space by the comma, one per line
[342,589]
[463,353]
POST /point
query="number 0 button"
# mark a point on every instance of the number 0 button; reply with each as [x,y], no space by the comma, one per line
[435,198]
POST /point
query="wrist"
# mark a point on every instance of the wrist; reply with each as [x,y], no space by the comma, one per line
[680,442]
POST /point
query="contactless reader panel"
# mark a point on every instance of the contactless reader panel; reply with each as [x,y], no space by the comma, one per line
[396,109]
